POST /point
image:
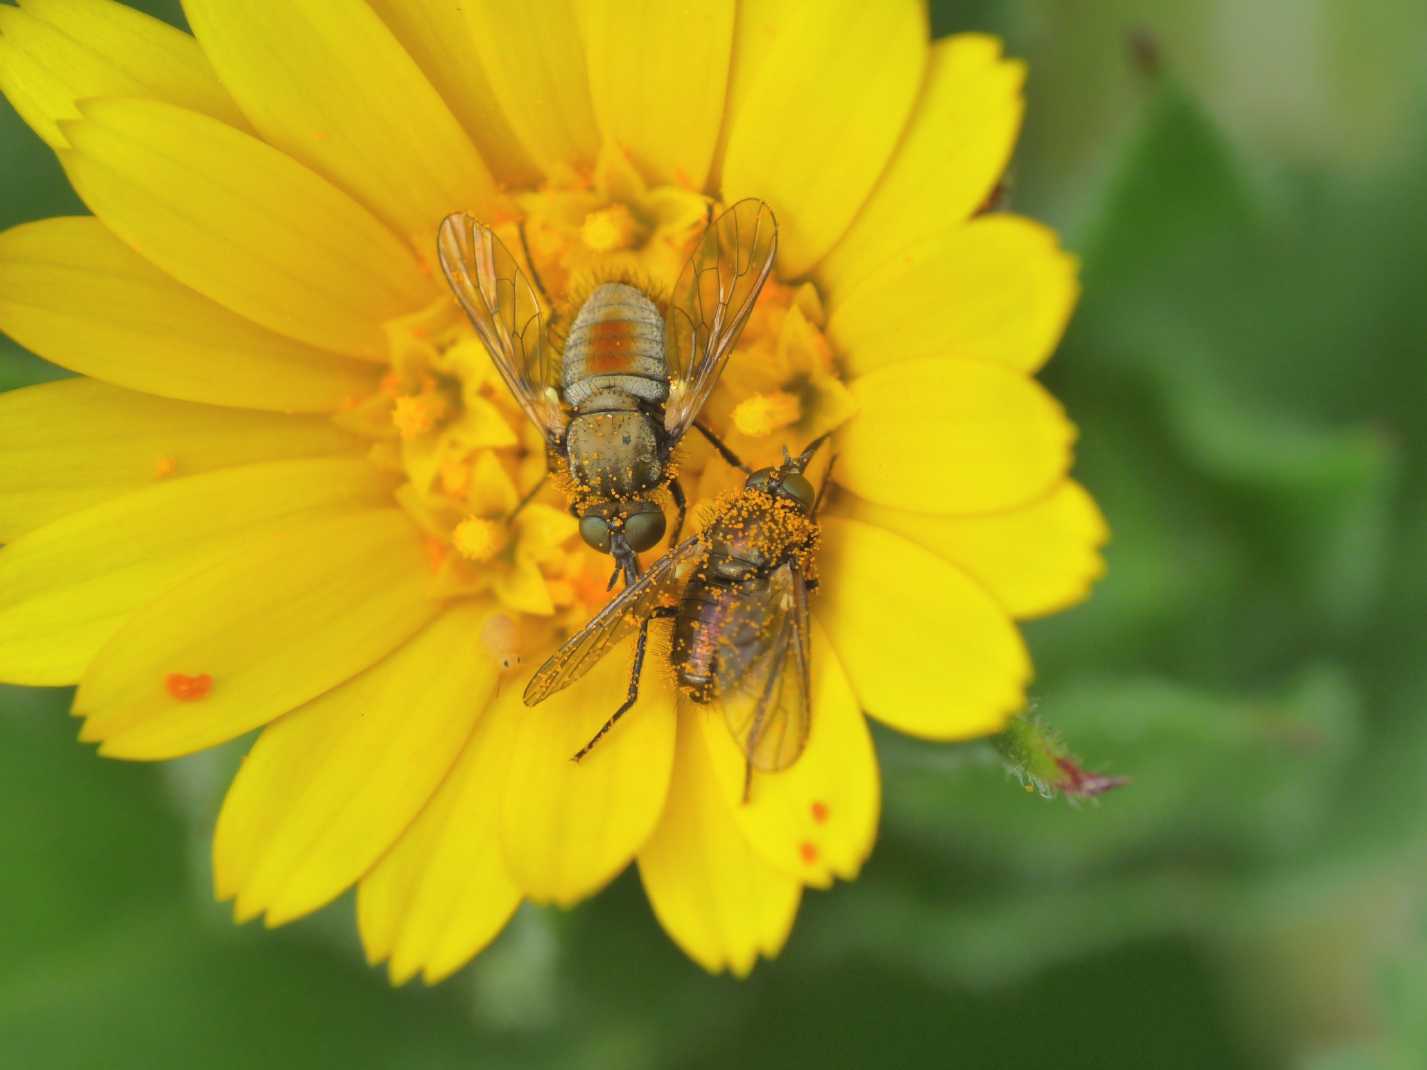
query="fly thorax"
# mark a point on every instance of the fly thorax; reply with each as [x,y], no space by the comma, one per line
[616,342]
[749,535]
[614,454]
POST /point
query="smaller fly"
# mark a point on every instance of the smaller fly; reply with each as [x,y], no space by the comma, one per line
[634,370]
[738,595]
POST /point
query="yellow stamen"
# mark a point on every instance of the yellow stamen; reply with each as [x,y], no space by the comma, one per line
[762,414]
[610,229]
[416,414]
[477,539]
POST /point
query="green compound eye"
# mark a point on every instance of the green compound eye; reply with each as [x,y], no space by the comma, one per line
[595,531]
[799,489]
[643,530]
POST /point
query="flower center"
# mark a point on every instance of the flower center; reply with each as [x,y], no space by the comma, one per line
[472,465]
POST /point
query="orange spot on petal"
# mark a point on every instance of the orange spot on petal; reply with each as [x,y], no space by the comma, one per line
[809,852]
[436,552]
[165,467]
[188,688]
[820,812]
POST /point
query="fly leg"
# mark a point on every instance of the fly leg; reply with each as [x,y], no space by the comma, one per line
[633,694]
[723,451]
[680,503]
[827,478]
[530,495]
[552,451]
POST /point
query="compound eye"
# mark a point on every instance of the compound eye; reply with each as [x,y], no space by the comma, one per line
[799,489]
[643,530]
[761,480]
[595,531]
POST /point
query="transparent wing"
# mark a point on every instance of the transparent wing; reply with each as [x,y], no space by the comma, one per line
[711,302]
[765,695]
[661,585]
[505,311]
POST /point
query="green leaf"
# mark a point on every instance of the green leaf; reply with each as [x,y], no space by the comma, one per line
[113,958]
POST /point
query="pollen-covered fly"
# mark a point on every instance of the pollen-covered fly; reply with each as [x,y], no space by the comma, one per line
[738,595]
[633,372]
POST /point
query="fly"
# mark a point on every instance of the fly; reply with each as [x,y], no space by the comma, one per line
[737,593]
[633,372]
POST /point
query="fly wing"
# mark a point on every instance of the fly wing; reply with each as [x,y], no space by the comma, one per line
[661,585]
[765,695]
[712,299]
[504,310]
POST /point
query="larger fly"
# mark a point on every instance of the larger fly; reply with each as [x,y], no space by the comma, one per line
[738,595]
[634,370]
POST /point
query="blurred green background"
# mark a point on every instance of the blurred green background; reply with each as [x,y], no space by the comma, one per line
[1247,368]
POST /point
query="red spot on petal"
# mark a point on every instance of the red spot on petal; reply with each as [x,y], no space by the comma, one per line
[188,688]
[820,812]
[809,852]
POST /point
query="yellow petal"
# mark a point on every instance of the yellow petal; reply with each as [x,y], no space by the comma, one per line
[522,586]
[818,818]
[1036,559]
[568,828]
[58,51]
[818,95]
[296,614]
[658,73]
[75,294]
[443,892]
[75,443]
[535,60]
[328,788]
[329,85]
[438,36]
[68,587]
[999,289]
[927,651]
[952,437]
[242,223]
[715,896]
[955,148]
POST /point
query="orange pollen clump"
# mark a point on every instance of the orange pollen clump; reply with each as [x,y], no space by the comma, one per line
[436,552]
[455,477]
[610,229]
[165,467]
[416,414]
[762,414]
[188,688]
[820,812]
[809,852]
[478,539]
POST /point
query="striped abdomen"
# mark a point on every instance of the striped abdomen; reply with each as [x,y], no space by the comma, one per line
[615,343]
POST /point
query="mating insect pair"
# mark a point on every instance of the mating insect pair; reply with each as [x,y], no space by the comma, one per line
[629,383]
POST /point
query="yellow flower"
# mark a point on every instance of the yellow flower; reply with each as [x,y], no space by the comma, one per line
[279,496]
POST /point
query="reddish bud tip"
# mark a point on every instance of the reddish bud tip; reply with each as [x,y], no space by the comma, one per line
[1079,784]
